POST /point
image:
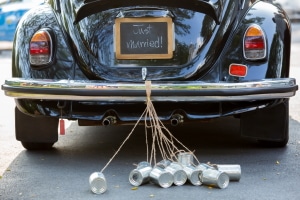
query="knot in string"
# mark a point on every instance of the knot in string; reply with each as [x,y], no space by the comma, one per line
[148,90]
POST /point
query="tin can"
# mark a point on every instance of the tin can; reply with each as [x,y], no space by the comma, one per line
[233,171]
[215,178]
[193,175]
[186,158]
[140,175]
[204,166]
[178,173]
[161,177]
[98,183]
[163,164]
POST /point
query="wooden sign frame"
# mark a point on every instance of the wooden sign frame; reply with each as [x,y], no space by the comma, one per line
[144,38]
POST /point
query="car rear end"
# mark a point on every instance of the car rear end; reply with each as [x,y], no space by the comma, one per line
[90,61]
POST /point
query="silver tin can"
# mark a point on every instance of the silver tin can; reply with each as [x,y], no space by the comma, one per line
[204,166]
[178,173]
[193,175]
[140,175]
[163,164]
[186,158]
[98,183]
[233,171]
[161,177]
[215,178]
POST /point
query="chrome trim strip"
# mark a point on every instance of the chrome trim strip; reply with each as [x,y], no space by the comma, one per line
[160,91]
[156,99]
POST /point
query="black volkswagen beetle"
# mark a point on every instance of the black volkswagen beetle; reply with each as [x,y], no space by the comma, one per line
[90,61]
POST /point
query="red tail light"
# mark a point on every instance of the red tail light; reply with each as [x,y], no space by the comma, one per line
[41,48]
[254,43]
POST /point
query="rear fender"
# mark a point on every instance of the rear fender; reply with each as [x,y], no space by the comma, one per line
[276,27]
[63,66]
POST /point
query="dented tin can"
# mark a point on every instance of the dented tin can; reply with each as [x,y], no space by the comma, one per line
[98,183]
[214,178]
[140,175]
[161,177]
[193,175]
[233,171]
[186,158]
[179,175]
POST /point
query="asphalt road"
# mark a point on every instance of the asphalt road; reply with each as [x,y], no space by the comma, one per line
[63,173]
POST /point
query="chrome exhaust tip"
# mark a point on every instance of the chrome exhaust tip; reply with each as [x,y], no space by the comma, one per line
[109,120]
[176,119]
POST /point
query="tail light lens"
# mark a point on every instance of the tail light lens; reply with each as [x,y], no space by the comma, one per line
[238,70]
[254,43]
[41,48]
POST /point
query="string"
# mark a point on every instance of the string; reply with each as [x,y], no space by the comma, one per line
[161,136]
[110,160]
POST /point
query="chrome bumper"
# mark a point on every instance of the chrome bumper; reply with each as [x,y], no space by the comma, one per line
[185,91]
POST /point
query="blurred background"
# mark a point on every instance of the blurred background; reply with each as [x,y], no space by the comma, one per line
[291,7]
[11,12]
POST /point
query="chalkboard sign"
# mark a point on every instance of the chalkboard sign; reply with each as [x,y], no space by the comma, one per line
[144,38]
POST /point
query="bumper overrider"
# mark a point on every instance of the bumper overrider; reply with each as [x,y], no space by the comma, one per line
[175,91]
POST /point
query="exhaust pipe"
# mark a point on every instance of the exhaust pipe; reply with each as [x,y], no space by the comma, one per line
[109,120]
[176,119]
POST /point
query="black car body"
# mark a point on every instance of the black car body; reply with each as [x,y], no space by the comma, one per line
[89,60]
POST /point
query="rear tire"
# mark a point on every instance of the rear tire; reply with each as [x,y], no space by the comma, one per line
[35,133]
[37,145]
[269,126]
[273,144]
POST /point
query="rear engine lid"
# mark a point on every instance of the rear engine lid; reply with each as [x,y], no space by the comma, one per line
[186,34]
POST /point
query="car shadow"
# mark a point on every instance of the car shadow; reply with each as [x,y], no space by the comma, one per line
[84,150]
[216,141]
